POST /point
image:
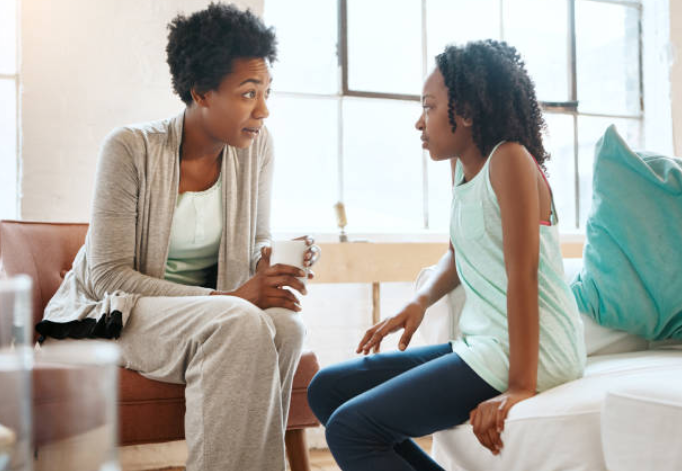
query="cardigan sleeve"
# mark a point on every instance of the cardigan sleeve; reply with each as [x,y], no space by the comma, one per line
[266,171]
[111,240]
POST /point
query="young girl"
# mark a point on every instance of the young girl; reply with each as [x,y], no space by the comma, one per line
[521,331]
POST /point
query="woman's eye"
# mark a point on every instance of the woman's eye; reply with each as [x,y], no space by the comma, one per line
[250,94]
[267,93]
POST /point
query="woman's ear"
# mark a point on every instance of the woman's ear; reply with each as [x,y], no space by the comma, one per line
[199,98]
[467,122]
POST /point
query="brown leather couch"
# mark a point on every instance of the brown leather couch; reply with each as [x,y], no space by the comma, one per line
[149,411]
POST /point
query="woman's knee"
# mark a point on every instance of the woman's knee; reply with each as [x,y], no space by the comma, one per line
[290,328]
[240,316]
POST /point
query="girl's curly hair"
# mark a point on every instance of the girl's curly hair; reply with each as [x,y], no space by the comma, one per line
[488,83]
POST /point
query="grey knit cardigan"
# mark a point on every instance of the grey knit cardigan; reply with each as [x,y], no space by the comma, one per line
[126,247]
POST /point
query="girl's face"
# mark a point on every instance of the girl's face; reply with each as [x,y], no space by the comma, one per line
[234,113]
[434,124]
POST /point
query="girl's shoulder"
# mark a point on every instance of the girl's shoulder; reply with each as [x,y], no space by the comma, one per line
[508,162]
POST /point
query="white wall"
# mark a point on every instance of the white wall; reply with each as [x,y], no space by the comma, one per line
[676,72]
[88,67]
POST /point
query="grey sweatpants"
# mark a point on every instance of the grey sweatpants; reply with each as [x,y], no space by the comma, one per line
[238,363]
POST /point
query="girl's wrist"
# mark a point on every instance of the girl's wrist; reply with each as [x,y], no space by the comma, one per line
[422,301]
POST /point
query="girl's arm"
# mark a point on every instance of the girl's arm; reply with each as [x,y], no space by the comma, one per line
[442,281]
[514,180]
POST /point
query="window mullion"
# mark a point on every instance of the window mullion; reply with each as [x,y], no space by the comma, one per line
[425,162]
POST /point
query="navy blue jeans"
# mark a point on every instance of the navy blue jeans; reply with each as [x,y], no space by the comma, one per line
[372,406]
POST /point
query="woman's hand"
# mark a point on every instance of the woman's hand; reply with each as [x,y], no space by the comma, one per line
[409,319]
[267,287]
[488,418]
[312,255]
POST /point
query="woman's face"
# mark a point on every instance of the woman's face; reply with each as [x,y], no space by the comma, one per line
[234,113]
[434,124]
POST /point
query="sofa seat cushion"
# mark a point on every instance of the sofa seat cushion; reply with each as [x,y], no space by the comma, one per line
[560,428]
[641,426]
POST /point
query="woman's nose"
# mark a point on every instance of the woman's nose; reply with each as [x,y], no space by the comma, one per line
[261,111]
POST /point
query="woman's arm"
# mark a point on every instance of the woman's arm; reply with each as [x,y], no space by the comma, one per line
[111,237]
[263,235]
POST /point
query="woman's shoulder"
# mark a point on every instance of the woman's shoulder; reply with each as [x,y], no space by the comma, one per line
[141,135]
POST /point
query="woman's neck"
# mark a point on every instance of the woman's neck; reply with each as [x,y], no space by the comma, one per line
[197,144]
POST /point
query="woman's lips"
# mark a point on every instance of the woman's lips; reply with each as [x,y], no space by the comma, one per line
[252,132]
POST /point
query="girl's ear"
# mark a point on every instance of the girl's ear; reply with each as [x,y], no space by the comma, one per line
[467,122]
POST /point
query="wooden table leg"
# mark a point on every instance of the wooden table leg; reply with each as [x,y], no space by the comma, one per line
[376,303]
[297,450]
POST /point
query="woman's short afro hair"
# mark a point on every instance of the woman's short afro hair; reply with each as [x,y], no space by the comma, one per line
[202,47]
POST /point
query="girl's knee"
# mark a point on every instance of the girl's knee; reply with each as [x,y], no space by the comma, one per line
[322,397]
[344,424]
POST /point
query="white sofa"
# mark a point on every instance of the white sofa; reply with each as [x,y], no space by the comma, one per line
[624,414]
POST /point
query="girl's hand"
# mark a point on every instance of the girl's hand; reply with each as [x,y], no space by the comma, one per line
[488,418]
[409,319]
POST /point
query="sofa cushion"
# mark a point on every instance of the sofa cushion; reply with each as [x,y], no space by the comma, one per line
[565,419]
[630,279]
[641,427]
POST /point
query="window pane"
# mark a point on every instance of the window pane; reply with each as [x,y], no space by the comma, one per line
[385,46]
[539,30]
[607,39]
[307,55]
[305,134]
[440,195]
[590,129]
[383,183]
[8,149]
[8,37]
[474,20]
[561,167]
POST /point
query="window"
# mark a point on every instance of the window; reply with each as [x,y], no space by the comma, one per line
[346,97]
[9,87]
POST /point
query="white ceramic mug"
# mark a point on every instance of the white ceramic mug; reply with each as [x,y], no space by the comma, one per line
[290,252]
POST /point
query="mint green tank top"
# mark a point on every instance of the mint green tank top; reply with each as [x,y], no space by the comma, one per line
[476,234]
[195,237]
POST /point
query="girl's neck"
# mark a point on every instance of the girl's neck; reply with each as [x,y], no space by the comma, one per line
[472,161]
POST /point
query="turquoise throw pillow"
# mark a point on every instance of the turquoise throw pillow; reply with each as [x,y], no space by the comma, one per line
[632,274]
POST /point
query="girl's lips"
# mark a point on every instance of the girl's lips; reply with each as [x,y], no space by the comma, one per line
[425,144]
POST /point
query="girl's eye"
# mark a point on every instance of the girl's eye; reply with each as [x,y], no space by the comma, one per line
[250,94]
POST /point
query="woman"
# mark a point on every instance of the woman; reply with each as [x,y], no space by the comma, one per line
[176,260]
[521,330]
